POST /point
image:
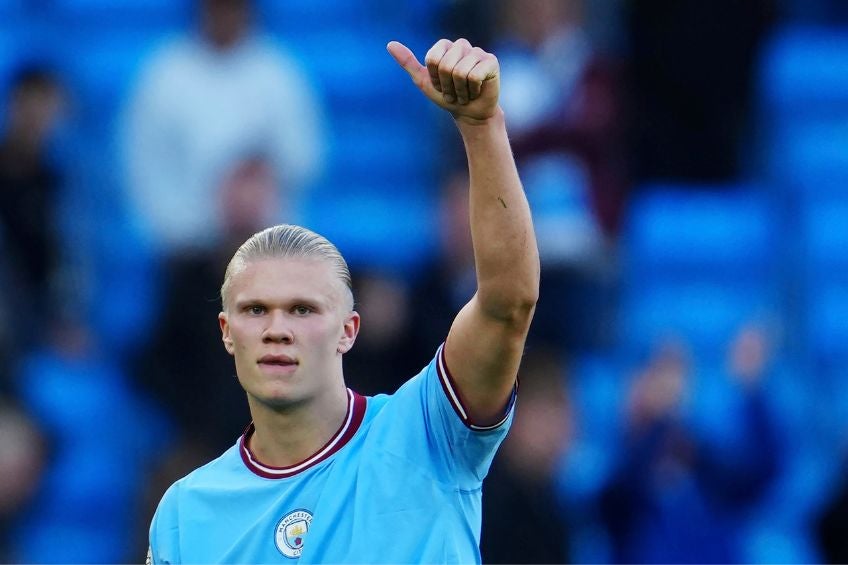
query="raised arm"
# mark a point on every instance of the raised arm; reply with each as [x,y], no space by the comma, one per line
[486,340]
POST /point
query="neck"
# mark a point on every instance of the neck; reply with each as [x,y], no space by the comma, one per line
[287,436]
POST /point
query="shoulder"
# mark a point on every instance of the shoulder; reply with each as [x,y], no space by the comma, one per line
[169,67]
[267,57]
[226,469]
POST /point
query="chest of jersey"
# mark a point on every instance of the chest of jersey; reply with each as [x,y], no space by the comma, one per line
[363,506]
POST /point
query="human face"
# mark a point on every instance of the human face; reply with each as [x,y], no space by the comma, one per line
[287,323]
[225,22]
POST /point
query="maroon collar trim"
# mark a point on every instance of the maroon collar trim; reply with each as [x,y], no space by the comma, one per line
[353,419]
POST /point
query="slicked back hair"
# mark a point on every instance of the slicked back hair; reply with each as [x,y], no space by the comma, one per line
[281,242]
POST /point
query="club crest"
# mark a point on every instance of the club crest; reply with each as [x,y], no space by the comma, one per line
[291,532]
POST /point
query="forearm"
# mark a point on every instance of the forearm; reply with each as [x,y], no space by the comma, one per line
[505,252]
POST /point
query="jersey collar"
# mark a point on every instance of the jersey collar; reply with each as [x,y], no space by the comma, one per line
[353,419]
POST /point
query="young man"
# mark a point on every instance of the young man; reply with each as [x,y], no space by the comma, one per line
[323,474]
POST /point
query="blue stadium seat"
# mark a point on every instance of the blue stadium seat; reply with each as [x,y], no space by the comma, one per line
[804,71]
[825,226]
[352,66]
[808,155]
[705,315]
[696,266]
[293,15]
[11,8]
[110,12]
[104,65]
[371,149]
[727,232]
[80,515]
[365,16]
[803,92]
[376,230]
[827,324]
[824,270]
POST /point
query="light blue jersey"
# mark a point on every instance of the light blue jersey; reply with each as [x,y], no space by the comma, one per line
[399,482]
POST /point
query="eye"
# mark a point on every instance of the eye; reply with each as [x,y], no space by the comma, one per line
[301,310]
[255,310]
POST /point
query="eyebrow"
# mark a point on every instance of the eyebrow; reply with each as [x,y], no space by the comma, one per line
[310,301]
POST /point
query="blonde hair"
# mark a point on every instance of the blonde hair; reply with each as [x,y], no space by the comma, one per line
[286,241]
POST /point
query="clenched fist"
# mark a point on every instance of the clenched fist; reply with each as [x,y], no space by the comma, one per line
[461,78]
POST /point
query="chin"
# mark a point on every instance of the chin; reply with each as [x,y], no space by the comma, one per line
[280,398]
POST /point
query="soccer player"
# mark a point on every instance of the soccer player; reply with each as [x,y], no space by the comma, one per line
[323,474]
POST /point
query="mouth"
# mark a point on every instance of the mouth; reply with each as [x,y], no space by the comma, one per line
[282,361]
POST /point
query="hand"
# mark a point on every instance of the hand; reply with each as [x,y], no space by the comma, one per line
[462,79]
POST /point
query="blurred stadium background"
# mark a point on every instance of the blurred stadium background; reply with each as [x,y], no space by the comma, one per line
[685,391]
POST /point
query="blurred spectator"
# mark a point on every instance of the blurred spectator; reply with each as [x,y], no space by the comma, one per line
[832,526]
[222,134]
[691,80]
[385,354]
[206,102]
[186,354]
[572,122]
[29,184]
[22,460]
[681,492]
[448,283]
[568,139]
[523,521]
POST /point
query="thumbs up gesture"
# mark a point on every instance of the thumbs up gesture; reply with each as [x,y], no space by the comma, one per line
[461,78]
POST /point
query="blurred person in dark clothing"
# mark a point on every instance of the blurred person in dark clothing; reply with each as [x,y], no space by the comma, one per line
[691,79]
[832,527]
[383,300]
[448,282]
[679,494]
[29,185]
[523,521]
[184,356]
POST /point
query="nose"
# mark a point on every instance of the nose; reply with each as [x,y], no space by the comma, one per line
[278,329]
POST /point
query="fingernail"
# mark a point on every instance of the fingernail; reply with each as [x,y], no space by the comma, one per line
[450,98]
[463,101]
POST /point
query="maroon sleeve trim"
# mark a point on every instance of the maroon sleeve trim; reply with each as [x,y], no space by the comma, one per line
[452,394]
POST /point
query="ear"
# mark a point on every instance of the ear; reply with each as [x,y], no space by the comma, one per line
[225,332]
[351,330]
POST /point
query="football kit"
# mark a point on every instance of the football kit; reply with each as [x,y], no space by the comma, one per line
[399,482]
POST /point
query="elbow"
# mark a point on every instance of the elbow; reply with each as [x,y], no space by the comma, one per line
[515,308]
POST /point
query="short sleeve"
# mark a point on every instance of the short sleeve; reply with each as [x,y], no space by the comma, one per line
[431,428]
